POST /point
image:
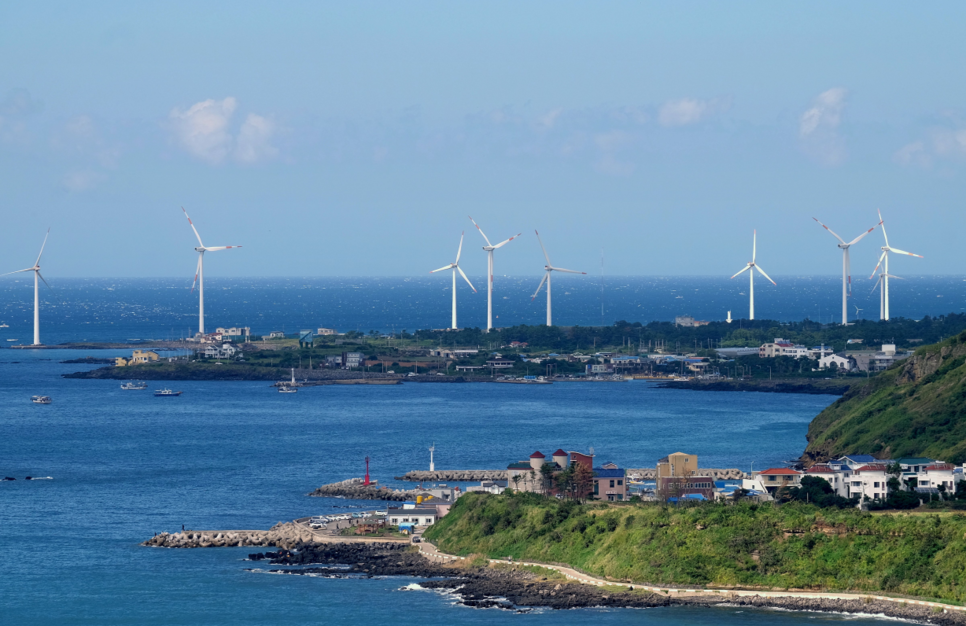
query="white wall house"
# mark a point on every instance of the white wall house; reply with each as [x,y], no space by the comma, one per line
[841,362]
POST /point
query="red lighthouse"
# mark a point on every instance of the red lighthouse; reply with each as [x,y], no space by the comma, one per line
[367,472]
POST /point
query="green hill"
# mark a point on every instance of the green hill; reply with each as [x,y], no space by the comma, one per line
[790,546]
[915,408]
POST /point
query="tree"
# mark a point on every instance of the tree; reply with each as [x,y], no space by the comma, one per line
[583,479]
[516,481]
[546,472]
[565,481]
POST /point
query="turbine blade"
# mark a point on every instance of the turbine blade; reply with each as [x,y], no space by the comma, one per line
[560,269]
[193,228]
[460,270]
[859,238]
[42,248]
[758,267]
[882,221]
[897,251]
[197,271]
[460,249]
[894,276]
[481,231]
[829,230]
[875,286]
[878,264]
[43,279]
[754,244]
[545,255]
[747,267]
[217,248]
[29,269]
[503,243]
[447,267]
[540,286]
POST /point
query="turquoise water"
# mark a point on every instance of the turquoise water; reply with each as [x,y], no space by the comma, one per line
[239,455]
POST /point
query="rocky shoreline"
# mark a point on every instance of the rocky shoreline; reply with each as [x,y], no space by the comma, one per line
[835,387]
[518,589]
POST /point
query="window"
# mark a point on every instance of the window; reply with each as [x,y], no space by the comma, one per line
[619,482]
[429,520]
[612,483]
[596,488]
[876,485]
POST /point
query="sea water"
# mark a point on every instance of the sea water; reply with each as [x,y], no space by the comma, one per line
[239,455]
[103,309]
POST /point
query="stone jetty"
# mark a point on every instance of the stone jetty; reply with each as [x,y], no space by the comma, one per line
[282,535]
[354,489]
[418,476]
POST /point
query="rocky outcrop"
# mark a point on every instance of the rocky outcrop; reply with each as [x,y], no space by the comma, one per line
[283,535]
[418,476]
[354,489]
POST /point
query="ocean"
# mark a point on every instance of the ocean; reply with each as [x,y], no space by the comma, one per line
[238,455]
[103,309]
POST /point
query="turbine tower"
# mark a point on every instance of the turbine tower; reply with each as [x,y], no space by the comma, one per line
[489,272]
[432,465]
[884,276]
[455,266]
[846,266]
[546,278]
[200,273]
[37,275]
[751,275]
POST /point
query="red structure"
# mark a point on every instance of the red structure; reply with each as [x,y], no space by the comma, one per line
[367,472]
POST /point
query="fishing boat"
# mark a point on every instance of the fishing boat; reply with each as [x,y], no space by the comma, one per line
[40,399]
[284,389]
[4,325]
[134,386]
[159,393]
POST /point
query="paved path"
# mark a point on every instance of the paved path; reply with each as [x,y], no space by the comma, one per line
[430,552]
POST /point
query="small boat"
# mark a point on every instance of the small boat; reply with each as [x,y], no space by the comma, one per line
[158,393]
[40,399]
[284,389]
[134,386]
[4,326]
[13,340]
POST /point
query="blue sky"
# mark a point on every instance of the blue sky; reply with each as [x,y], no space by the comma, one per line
[355,138]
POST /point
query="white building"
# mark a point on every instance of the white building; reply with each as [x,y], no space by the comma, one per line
[412,513]
[869,481]
[842,363]
[242,331]
[226,351]
[276,334]
[325,331]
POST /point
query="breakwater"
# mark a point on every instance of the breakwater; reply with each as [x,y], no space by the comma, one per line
[650,473]
[836,387]
[418,476]
[282,535]
[355,489]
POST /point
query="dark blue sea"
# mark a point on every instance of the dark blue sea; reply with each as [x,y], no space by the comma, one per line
[100,309]
[237,455]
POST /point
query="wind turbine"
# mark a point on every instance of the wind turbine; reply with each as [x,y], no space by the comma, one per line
[489,271]
[884,276]
[846,266]
[432,465]
[751,275]
[455,266]
[200,273]
[546,277]
[37,275]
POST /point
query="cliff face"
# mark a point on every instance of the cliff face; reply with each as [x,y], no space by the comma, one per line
[916,408]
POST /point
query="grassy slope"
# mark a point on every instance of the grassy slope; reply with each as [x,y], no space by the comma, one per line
[744,545]
[917,408]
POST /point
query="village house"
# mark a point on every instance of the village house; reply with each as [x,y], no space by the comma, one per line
[842,363]
[775,478]
[529,475]
[243,331]
[610,482]
[869,482]
[678,476]
[225,351]
[137,357]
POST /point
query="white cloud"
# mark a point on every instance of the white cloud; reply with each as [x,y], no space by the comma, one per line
[83,180]
[818,128]
[913,153]
[684,111]
[609,145]
[202,130]
[254,138]
[547,120]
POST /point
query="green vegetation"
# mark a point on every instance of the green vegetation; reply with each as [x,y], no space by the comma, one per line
[789,546]
[915,408]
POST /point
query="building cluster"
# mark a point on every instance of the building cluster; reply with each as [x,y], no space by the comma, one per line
[138,357]
[568,474]
[866,478]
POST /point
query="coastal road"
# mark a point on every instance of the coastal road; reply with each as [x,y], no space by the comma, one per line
[431,552]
